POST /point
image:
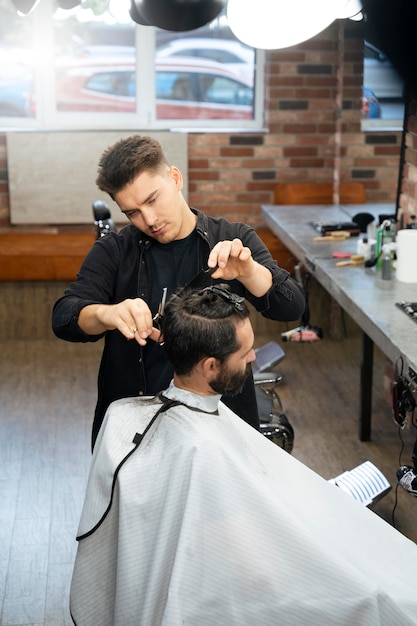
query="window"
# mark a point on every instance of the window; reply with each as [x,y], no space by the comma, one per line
[383,92]
[90,68]
[118,84]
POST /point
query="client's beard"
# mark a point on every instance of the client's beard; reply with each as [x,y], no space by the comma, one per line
[230,382]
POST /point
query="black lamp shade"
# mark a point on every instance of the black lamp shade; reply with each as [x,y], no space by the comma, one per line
[177,15]
[24,6]
[68,4]
[136,14]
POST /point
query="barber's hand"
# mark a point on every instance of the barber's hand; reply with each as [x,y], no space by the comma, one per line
[132,318]
[233,260]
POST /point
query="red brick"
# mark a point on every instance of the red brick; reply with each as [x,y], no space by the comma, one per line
[198,163]
[297,151]
[240,151]
[203,175]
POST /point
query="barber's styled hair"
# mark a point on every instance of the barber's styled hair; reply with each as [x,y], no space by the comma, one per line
[121,163]
[198,324]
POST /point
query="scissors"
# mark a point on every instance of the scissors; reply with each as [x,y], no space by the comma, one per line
[157,318]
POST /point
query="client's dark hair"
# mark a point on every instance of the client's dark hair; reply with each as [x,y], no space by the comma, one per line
[198,324]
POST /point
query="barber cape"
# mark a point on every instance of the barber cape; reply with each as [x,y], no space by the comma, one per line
[208,523]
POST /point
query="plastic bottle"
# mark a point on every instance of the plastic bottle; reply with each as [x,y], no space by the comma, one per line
[366,247]
[386,262]
[371,230]
[384,235]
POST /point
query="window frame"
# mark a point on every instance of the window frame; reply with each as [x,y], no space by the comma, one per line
[48,118]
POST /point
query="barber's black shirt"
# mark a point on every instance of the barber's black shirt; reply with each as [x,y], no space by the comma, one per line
[173,265]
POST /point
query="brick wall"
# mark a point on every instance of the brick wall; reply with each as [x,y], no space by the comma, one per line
[313,115]
[408,196]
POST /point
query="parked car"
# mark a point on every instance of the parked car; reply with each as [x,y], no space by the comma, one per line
[380,75]
[185,88]
[233,55]
[371,109]
[16,98]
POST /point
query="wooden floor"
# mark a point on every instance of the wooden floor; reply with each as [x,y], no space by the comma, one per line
[47,401]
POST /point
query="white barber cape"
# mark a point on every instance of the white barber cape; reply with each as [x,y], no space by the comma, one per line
[208,523]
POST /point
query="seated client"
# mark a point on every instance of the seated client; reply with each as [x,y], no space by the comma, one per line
[191,516]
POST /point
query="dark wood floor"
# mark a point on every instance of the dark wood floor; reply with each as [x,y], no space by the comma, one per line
[47,400]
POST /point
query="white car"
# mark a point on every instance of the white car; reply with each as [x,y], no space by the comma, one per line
[233,55]
[380,75]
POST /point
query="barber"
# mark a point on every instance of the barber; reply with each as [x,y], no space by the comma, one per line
[120,284]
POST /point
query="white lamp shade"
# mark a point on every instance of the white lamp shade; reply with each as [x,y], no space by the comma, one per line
[350,8]
[273,24]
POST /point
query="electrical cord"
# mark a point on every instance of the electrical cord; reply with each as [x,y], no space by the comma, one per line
[403,405]
[397,485]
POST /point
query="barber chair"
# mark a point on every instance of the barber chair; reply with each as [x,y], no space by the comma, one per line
[102,219]
[273,422]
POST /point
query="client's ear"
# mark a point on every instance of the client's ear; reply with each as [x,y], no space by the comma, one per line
[210,366]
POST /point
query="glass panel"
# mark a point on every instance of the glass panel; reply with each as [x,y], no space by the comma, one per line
[204,74]
[17,71]
[59,67]
[95,58]
[383,90]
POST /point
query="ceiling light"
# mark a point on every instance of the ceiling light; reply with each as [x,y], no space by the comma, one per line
[136,14]
[351,9]
[68,4]
[273,24]
[176,15]
[24,7]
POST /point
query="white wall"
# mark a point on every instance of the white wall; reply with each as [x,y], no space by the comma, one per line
[52,174]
